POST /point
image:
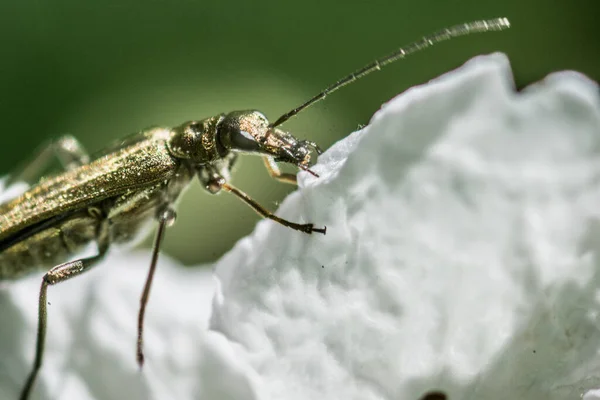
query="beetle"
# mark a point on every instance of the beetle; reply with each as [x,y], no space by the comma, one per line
[111,198]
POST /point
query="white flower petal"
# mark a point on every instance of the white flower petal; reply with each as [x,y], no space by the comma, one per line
[460,255]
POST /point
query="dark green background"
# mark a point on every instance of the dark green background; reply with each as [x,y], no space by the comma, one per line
[104,69]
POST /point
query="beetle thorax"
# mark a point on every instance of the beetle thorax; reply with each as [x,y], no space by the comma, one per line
[197,141]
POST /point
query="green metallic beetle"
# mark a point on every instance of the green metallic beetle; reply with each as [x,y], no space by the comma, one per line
[111,198]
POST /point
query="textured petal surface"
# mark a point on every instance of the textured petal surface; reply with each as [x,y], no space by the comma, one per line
[461,251]
[460,255]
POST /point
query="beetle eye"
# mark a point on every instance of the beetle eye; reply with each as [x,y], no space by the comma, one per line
[247,135]
[244,141]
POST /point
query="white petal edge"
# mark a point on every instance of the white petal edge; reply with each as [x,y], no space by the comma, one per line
[460,256]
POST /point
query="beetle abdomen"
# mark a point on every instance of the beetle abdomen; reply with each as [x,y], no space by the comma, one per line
[47,248]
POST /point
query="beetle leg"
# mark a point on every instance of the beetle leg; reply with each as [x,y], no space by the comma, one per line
[66,149]
[276,173]
[58,274]
[306,228]
[165,218]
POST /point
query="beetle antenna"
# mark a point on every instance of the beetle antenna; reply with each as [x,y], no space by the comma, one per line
[496,24]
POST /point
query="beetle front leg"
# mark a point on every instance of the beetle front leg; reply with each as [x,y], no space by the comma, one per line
[66,149]
[306,228]
[58,274]
[276,173]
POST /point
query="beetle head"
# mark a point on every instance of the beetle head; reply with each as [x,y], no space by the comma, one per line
[250,132]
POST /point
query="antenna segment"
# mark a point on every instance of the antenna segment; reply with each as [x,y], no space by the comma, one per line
[497,24]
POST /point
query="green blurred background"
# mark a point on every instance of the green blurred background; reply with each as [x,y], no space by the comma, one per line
[103,69]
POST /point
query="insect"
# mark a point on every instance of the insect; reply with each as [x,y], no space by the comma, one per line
[110,198]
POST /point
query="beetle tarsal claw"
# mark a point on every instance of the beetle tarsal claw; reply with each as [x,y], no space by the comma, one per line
[322,230]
